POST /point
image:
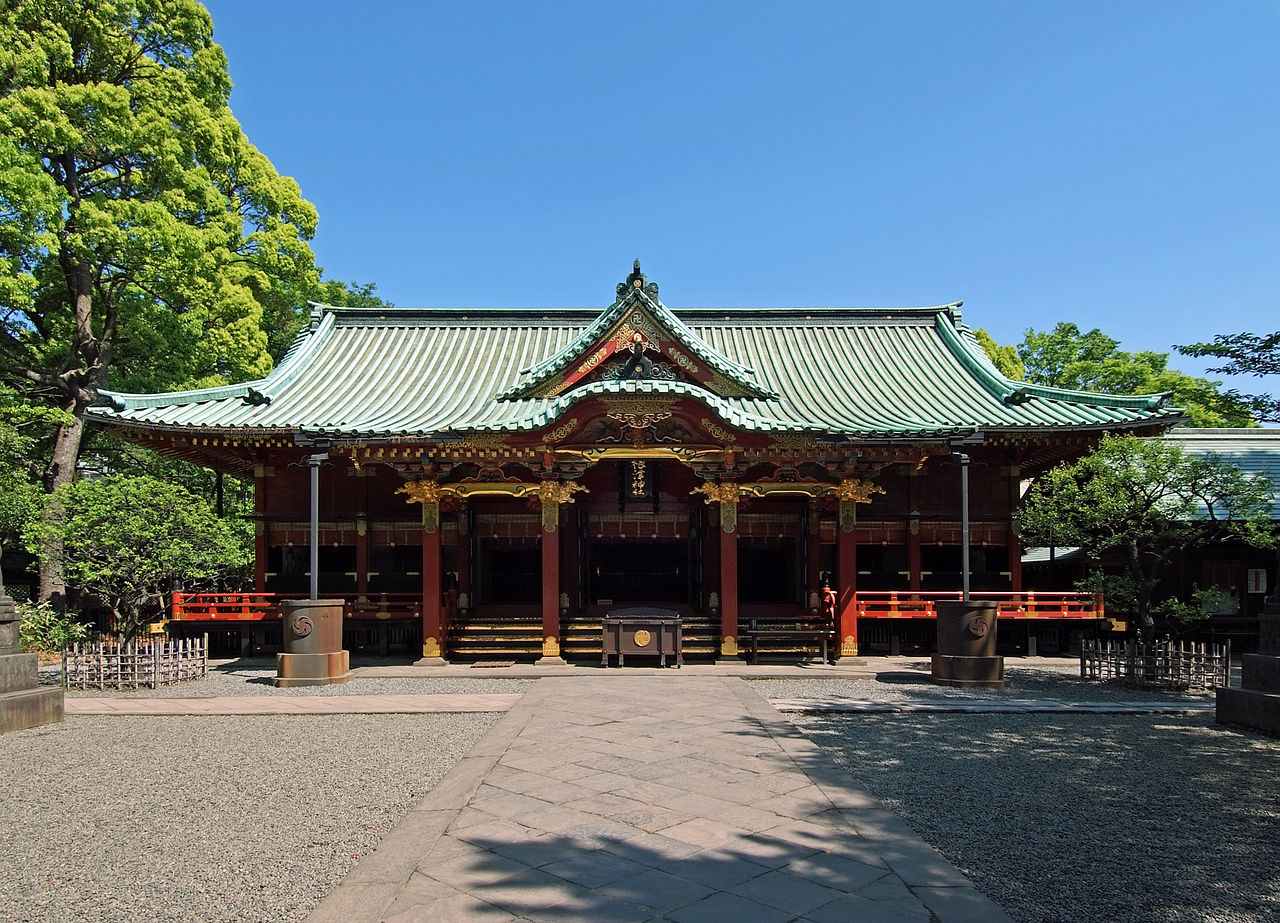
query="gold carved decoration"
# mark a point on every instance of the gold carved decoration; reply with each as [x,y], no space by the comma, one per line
[592,361]
[550,647]
[485,442]
[639,322]
[642,638]
[793,443]
[727,496]
[422,491]
[638,414]
[849,646]
[729,647]
[554,493]
[851,492]
[682,360]
[428,493]
[717,432]
[718,493]
[856,490]
[563,430]
[431,648]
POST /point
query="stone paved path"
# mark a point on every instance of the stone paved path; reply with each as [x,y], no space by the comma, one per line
[291,705]
[651,797]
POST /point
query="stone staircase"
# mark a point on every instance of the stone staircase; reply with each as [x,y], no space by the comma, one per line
[581,635]
[496,633]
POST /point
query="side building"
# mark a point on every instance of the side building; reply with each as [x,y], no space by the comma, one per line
[499,479]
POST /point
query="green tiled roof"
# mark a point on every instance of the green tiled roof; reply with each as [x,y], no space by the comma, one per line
[908,373]
[1253,451]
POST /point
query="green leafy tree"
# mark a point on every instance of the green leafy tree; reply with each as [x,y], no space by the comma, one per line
[1246,354]
[125,539]
[1147,502]
[284,329]
[24,427]
[144,242]
[1065,357]
[1005,357]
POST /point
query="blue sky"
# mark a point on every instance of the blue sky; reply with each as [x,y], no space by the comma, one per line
[1112,164]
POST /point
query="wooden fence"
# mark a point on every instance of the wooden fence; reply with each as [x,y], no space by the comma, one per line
[1159,664]
[148,664]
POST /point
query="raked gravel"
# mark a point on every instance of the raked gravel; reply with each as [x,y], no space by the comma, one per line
[211,818]
[254,677]
[1068,817]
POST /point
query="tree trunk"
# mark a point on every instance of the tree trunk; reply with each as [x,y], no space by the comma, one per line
[85,373]
[1142,587]
[62,468]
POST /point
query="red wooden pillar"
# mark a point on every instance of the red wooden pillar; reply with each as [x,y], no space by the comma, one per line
[362,554]
[1014,543]
[729,582]
[550,580]
[432,611]
[913,553]
[260,537]
[813,565]
[464,551]
[847,577]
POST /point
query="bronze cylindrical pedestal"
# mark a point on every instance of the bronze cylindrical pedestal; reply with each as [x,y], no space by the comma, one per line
[967,645]
[313,654]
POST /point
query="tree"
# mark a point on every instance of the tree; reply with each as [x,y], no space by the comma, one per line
[1004,357]
[1148,502]
[22,424]
[1065,357]
[1247,354]
[125,539]
[144,242]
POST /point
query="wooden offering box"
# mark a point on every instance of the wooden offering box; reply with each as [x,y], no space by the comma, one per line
[650,632]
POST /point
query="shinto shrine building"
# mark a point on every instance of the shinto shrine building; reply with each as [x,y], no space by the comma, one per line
[499,479]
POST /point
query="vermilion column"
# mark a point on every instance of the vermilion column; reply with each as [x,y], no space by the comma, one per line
[913,553]
[432,612]
[464,551]
[553,495]
[362,555]
[814,562]
[729,583]
[847,577]
[551,584]
[260,538]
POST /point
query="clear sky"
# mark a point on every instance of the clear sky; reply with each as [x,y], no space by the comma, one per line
[1115,164]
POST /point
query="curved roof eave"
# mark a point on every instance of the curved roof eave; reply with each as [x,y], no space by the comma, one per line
[960,339]
[295,359]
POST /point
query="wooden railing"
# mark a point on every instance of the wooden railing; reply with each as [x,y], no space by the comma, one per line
[260,606]
[878,604]
[224,606]
[1040,604]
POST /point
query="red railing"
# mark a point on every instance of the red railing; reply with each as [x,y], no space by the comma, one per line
[1040,604]
[260,606]
[880,604]
[224,606]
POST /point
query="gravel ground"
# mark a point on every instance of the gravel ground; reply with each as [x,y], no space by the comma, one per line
[1059,681]
[207,819]
[253,677]
[1135,819]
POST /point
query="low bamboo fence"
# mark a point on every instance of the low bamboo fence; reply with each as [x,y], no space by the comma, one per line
[144,664]
[1159,664]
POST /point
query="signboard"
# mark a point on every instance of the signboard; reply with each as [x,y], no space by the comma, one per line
[1257,580]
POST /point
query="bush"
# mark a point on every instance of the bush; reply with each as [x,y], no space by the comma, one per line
[44,630]
[124,540]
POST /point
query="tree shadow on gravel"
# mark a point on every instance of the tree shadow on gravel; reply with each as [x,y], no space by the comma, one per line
[1133,817]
